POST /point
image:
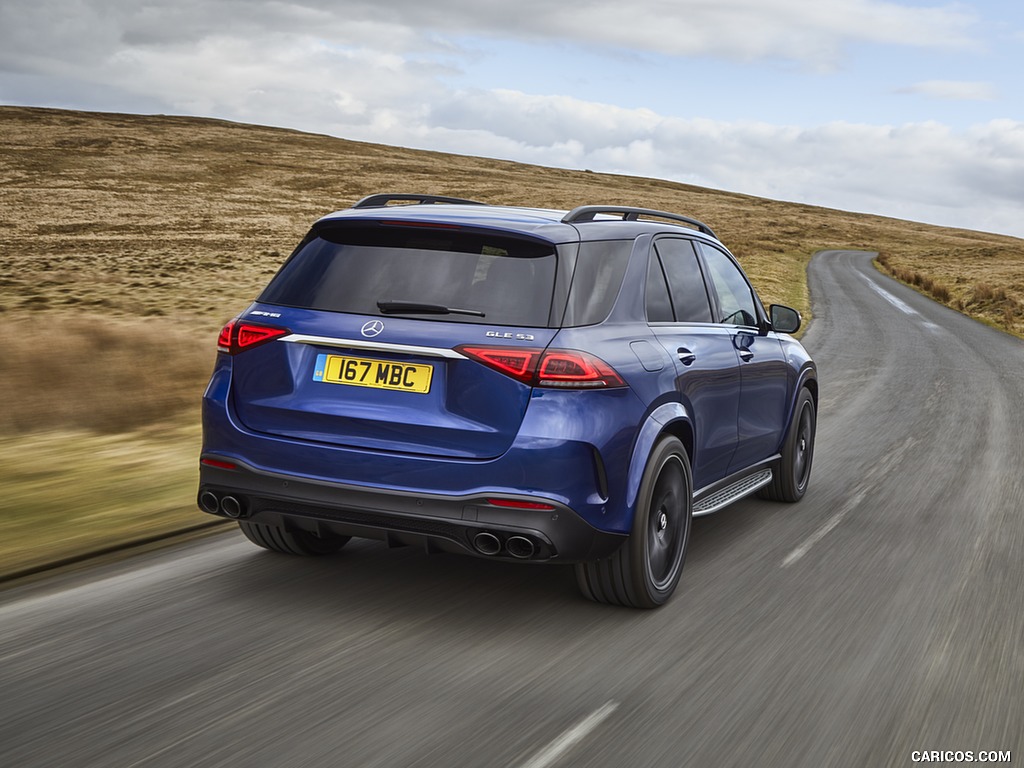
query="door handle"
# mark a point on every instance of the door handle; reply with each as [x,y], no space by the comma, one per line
[686,357]
[743,342]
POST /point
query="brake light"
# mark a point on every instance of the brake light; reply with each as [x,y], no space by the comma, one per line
[561,368]
[237,336]
[420,224]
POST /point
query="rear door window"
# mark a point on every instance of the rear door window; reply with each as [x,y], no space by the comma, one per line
[657,300]
[480,277]
[685,280]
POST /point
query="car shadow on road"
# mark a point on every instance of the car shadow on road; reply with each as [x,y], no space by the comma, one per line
[368,577]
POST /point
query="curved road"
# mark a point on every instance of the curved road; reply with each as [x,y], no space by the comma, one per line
[880,616]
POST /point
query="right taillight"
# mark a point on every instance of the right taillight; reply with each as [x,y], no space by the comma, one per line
[570,369]
[561,368]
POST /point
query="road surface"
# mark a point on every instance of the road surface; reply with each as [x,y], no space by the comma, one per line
[879,617]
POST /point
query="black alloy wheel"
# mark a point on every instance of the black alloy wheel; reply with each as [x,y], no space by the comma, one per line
[644,571]
[793,473]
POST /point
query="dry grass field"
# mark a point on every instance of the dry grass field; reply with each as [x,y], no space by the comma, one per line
[126,241]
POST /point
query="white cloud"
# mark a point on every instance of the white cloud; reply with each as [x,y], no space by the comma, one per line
[303,83]
[796,30]
[83,31]
[954,90]
[922,171]
[376,72]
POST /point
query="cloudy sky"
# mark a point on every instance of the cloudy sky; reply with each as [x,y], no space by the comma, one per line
[908,108]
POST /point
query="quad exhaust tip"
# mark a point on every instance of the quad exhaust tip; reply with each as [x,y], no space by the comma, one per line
[520,547]
[487,543]
[231,507]
[209,502]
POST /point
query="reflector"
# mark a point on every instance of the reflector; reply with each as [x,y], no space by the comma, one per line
[218,463]
[518,504]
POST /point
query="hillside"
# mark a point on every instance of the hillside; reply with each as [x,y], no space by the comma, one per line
[136,237]
[126,241]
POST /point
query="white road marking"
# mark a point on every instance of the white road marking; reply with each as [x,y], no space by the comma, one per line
[871,480]
[570,738]
[900,305]
[822,532]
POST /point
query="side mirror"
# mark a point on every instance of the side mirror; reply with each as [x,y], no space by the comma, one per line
[784,319]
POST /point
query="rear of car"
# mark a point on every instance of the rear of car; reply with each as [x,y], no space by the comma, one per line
[508,383]
[400,379]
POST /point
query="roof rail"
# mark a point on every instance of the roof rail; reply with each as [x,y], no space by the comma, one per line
[628,213]
[381,200]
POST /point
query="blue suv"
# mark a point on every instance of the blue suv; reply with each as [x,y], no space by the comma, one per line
[512,383]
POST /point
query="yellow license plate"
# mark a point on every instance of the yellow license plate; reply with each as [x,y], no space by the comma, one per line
[377,374]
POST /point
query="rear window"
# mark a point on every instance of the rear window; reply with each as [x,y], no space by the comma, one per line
[482,277]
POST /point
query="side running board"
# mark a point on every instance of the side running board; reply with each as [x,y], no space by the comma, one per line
[732,493]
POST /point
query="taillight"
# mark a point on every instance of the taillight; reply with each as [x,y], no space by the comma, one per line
[224,340]
[561,368]
[566,368]
[239,336]
[519,363]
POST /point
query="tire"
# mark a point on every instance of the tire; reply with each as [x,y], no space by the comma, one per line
[789,481]
[291,542]
[644,571]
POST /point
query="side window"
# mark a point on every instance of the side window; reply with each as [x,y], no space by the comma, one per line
[659,306]
[735,297]
[685,280]
[596,281]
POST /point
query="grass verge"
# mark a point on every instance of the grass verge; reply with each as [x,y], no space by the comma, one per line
[67,493]
[976,282]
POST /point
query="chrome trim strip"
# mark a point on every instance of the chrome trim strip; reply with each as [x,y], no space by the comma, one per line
[379,346]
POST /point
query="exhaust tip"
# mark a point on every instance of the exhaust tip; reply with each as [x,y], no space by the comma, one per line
[208,502]
[231,507]
[520,547]
[487,543]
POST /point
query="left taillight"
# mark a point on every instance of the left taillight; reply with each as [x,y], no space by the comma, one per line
[238,336]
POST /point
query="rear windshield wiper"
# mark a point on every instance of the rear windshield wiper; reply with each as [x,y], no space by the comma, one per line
[419,308]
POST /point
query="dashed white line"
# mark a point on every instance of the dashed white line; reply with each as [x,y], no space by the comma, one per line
[553,751]
[887,464]
[822,532]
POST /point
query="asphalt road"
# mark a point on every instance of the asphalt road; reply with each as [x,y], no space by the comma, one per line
[880,616]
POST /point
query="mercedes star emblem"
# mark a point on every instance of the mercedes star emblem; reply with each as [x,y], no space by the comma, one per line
[372,328]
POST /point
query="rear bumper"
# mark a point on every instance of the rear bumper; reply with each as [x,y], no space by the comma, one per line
[453,523]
